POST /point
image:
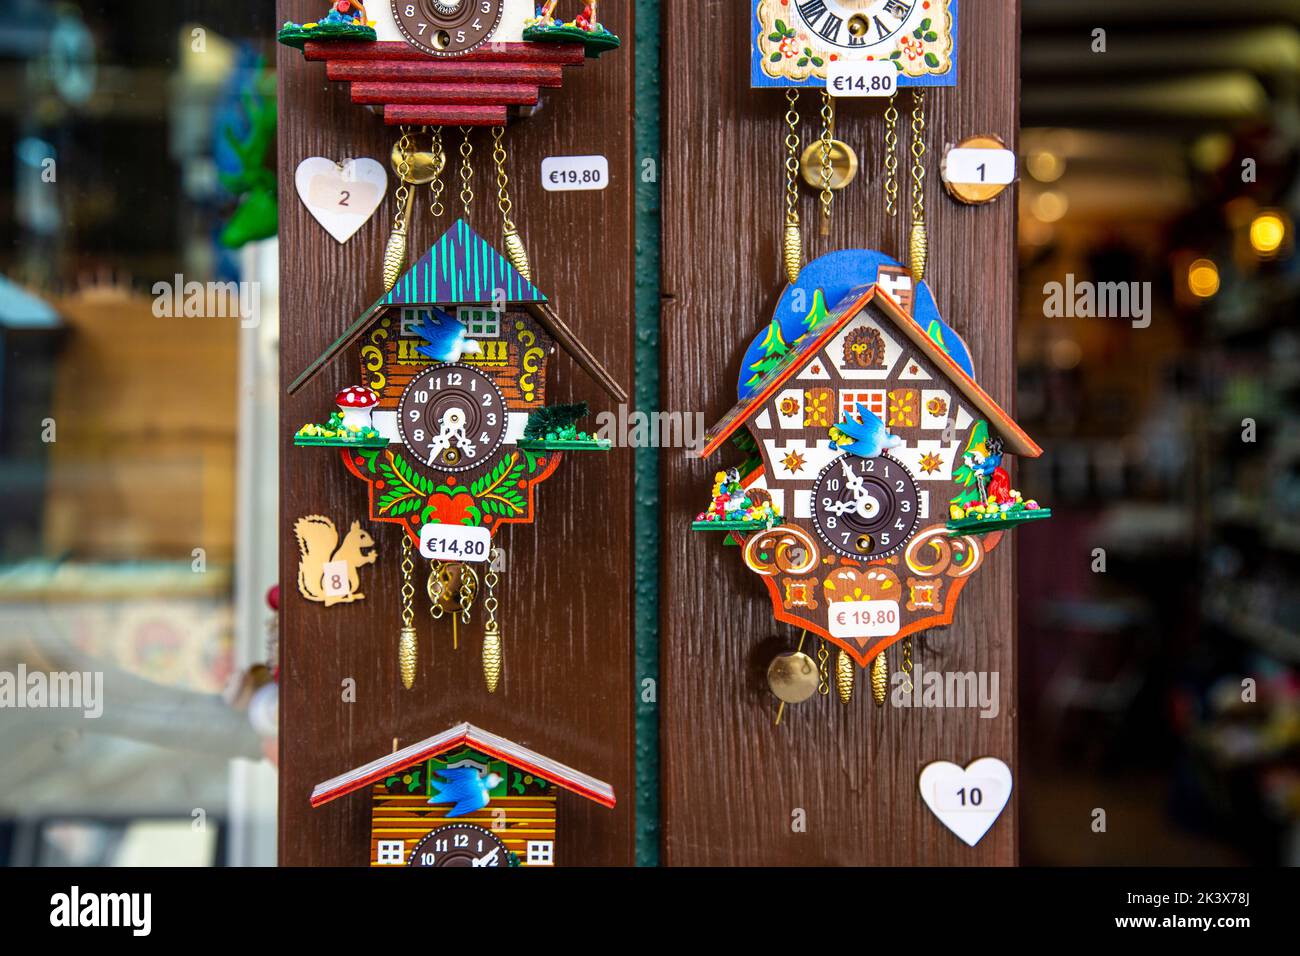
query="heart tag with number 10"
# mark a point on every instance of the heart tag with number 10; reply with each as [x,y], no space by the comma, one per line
[968,802]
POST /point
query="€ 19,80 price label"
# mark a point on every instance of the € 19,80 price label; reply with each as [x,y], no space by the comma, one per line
[862,78]
[865,618]
[454,542]
[573,173]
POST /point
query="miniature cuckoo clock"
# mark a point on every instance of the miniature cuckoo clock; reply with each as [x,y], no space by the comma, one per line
[874,488]
[464,798]
[443,417]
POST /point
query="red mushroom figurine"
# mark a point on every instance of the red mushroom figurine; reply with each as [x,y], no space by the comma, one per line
[357,403]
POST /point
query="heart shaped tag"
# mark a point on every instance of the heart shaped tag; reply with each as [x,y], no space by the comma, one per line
[968,802]
[341,196]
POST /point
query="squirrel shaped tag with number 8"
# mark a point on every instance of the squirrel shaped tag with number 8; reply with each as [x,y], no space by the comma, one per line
[328,570]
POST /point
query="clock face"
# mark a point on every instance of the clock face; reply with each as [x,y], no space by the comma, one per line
[459,844]
[865,508]
[447,27]
[853,24]
[452,418]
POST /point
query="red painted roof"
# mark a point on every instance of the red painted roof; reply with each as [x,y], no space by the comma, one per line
[481,740]
[1018,443]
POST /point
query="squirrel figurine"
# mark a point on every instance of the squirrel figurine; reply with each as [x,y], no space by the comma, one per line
[318,545]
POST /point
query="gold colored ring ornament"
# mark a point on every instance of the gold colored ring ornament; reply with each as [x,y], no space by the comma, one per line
[419,168]
[793,677]
[843,160]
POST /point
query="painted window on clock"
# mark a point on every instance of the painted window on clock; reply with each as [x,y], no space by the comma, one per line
[480,323]
[390,853]
[873,399]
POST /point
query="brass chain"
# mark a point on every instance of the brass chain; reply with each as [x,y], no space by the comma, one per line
[408,587]
[827,144]
[907,665]
[468,588]
[891,157]
[503,181]
[490,581]
[435,589]
[792,159]
[437,187]
[403,173]
[466,171]
[918,156]
[823,668]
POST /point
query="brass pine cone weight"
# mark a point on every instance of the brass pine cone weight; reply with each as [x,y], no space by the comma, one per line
[918,251]
[406,656]
[492,660]
[514,244]
[792,253]
[844,676]
[394,257]
[879,679]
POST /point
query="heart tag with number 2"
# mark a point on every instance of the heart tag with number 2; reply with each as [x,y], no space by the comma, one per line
[341,196]
[968,802]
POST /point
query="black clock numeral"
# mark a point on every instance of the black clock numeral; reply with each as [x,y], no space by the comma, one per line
[813,11]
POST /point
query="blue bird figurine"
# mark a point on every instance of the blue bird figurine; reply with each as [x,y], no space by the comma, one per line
[446,337]
[465,787]
[866,439]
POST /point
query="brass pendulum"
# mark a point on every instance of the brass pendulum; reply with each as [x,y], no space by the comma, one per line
[793,244]
[513,242]
[406,645]
[491,630]
[879,679]
[844,676]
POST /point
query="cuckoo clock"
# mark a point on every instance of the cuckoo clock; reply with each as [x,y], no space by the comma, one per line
[444,420]
[874,488]
[464,798]
[804,42]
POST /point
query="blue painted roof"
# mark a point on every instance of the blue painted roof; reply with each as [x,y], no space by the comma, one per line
[461,268]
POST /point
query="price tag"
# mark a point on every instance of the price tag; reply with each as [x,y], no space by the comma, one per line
[862,78]
[864,618]
[454,542]
[336,582]
[968,800]
[980,167]
[562,174]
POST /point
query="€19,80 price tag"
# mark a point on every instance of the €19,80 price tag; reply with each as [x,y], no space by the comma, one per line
[862,78]
[454,542]
[573,173]
[864,618]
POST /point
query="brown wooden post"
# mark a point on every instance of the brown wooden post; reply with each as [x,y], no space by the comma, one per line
[732,783]
[566,611]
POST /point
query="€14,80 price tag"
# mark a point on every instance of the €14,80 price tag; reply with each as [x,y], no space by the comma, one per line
[573,173]
[454,542]
[862,78]
[864,618]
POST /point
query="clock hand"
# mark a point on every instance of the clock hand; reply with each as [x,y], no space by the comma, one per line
[854,482]
[488,858]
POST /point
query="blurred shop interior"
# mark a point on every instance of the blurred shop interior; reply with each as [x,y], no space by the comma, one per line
[1171,571]
[138,454]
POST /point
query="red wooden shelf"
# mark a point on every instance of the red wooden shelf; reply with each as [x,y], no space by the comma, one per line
[416,89]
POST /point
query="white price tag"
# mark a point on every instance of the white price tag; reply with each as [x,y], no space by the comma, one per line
[862,78]
[969,795]
[865,618]
[337,583]
[980,167]
[573,173]
[455,542]
[969,799]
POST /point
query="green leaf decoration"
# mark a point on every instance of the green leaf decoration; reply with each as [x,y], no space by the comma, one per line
[775,37]
[803,61]
[780,25]
[931,60]
[926,23]
[931,37]
[775,58]
[818,61]
[412,477]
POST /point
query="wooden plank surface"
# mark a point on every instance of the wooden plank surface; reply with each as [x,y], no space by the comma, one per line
[566,598]
[732,783]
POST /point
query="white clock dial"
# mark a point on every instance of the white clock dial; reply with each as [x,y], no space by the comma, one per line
[856,25]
